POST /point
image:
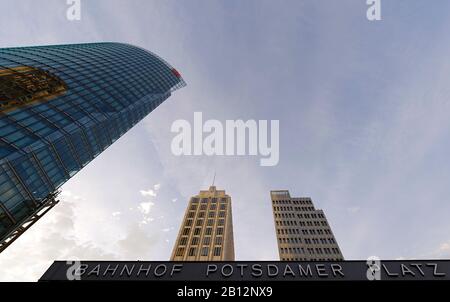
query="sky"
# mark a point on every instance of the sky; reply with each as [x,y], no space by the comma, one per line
[364,129]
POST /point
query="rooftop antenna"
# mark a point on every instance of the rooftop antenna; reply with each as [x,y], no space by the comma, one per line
[214,179]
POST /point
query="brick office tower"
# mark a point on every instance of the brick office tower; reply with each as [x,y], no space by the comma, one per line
[206,233]
[303,233]
[60,107]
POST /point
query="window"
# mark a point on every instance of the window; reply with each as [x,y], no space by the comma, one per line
[201,214]
[180,252]
[192,251]
[208,231]
[197,231]
[217,251]
[211,214]
[207,240]
[222,214]
[219,231]
[210,222]
[186,231]
[205,251]
[223,206]
[183,240]
[218,241]
[195,240]
[189,222]
[221,222]
[199,222]
[193,207]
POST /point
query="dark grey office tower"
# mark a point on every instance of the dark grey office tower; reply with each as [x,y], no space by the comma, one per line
[303,233]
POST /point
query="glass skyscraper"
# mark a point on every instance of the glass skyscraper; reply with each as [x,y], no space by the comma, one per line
[60,107]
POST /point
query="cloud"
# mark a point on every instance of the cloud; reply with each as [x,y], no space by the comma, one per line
[149,192]
[58,236]
[145,207]
[53,237]
[136,245]
[146,220]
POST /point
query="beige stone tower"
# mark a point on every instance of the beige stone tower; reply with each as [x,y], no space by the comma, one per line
[206,233]
[303,233]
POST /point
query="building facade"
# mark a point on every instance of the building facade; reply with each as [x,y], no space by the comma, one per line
[303,233]
[206,233]
[60,107]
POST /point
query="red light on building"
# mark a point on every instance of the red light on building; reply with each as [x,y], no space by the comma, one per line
[176,73]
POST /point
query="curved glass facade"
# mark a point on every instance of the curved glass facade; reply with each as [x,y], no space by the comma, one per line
[60,107]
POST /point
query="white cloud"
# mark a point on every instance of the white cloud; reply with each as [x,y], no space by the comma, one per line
[146,220]
[136,245]
[57,236]
[53,237]
[145,207]
[149,192]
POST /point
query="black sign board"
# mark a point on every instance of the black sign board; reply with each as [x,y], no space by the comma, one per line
[248,271]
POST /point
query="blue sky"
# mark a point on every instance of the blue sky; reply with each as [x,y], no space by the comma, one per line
[364,128]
